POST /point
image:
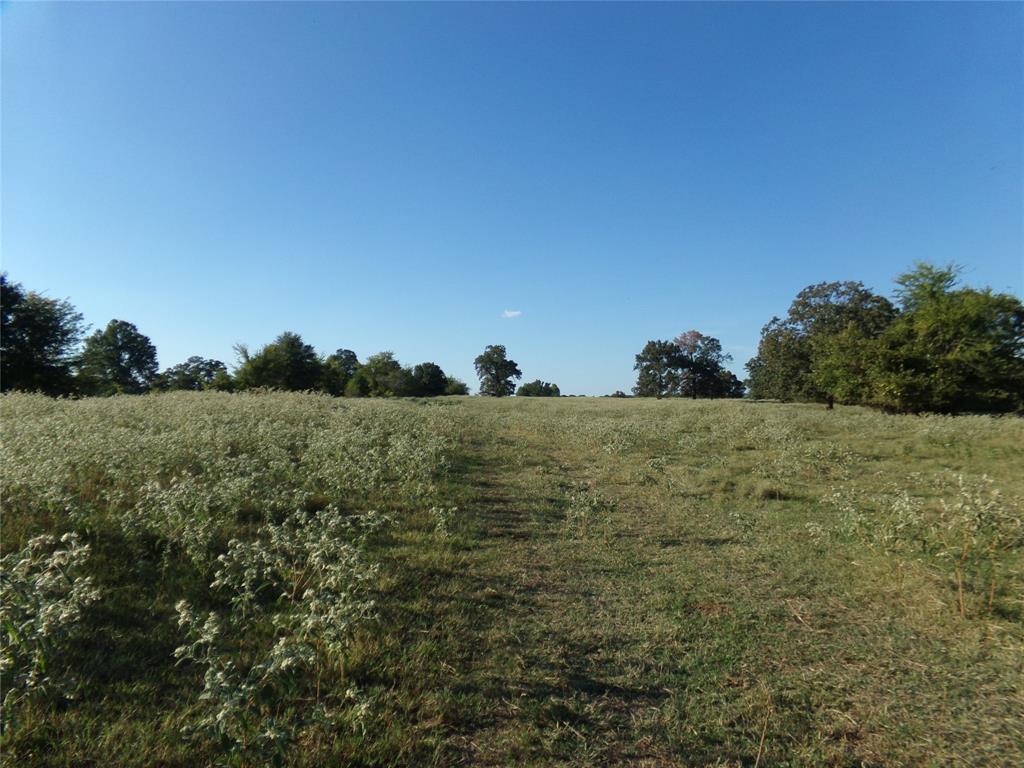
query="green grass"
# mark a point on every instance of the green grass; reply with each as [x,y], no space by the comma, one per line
[623,582]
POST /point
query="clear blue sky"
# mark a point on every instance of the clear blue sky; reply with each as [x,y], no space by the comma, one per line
[397,176]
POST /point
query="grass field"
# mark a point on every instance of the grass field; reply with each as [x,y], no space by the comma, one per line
[545,581]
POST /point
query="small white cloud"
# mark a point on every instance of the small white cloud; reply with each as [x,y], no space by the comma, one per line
[511,314]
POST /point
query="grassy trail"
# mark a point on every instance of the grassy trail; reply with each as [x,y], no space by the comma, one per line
[635,620]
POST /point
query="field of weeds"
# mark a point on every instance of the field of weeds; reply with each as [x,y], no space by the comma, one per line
[256,579]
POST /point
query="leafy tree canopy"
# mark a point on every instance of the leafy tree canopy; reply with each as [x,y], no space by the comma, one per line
[39,338]
[428,380]
[496,371]
[538,388]
[118,360]
[195,374]
[788,347]
[287,363]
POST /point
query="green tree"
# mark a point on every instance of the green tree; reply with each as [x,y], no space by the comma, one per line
[118,360]
[496,371]
[692,365]
[455,386]
[358,385]
[428,380]
[702,370]
[786,354]
[659,368]
[287,363]
[386,377]
[38,340]
[950,350]
[194,374]
[338,369]
[538,388]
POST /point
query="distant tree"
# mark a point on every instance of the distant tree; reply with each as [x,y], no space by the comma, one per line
[287,363]
[950,350]
[538,388]
[118,360]
[386,377]
[496,371]
[788,347]
[659,369]
[703,371]
[38,340]
[194,374]
[693,365]
[618,393]
[358,385]
[454,386]
[728,385]
[222,382]
[428,380]
[338,369]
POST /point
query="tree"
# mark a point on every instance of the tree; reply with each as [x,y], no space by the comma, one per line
[924,284]
[659,369]
[496,371]
[455,386]
[38,340]
[428,380]
[194,374]
[118,360]
[692,365]
[287,363]
[358,385]
[386,377]
[786,354]
[338,370]
[538,388]
[703,371]
[950,350]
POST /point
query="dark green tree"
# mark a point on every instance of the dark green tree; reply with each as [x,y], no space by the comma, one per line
[117,360]
[659,369]
[386,376]
[38,341]
[702,371]
[786,354]
[338,369]
[950,350]
[538,388]
[358,385]
[287,363]
[693,365]
[194,374]
[496,371]
[428,380]
[455,386]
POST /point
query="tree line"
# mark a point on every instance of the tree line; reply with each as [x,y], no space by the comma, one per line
[44,348]
[939,347]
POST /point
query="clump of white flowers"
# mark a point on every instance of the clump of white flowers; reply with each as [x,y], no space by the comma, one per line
[307,580]
[971,533]
[42,599]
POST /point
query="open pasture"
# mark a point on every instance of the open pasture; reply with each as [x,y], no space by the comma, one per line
[252,579]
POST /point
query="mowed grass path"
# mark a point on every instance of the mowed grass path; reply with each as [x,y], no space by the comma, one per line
[622,582]
[687,617]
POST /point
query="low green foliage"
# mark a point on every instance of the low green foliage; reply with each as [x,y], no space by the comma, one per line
[42,597]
